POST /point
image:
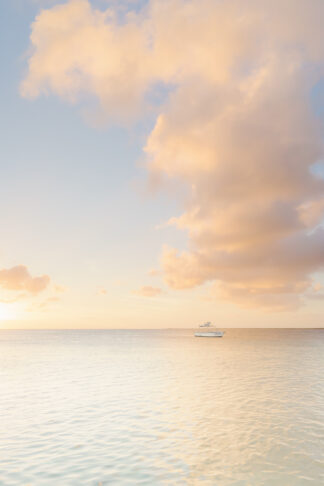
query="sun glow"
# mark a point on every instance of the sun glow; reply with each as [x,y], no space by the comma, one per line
[6,312]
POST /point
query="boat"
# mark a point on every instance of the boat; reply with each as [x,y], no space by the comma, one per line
[210,331]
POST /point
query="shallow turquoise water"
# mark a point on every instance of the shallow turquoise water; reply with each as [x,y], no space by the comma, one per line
[161,408]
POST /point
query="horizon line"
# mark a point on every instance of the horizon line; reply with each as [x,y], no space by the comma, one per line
[146,329]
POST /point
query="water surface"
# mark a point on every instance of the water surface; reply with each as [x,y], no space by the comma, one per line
[161,408]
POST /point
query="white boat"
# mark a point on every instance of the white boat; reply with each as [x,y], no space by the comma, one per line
[210,331]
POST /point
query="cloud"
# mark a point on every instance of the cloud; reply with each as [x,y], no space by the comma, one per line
[148,291]
[48,301]
[19,278]
[43,305]
[79,50]
[102,291]
[317,287]
[11,300]
[236,127]
[59,289]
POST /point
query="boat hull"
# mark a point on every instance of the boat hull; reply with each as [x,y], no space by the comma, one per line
[209,334]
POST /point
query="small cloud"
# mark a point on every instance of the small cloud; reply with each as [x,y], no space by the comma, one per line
[59,289]
[44,304]
[19,278]
[315,292]
[53,299]
[317,287]
[148,291]
[11,300]
[154,272]
[102,291]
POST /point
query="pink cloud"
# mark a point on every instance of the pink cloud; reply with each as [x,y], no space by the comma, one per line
[148,291]
[19,278]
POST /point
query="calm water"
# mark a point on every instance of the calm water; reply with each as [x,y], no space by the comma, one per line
[161,408]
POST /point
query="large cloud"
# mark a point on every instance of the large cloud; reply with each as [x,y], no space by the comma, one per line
[237,126]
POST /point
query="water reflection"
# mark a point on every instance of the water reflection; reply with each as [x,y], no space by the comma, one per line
[161,407]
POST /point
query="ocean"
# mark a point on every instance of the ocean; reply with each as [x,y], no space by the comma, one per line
[161,408]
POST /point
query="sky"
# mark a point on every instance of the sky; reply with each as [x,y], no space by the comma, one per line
[161,163]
